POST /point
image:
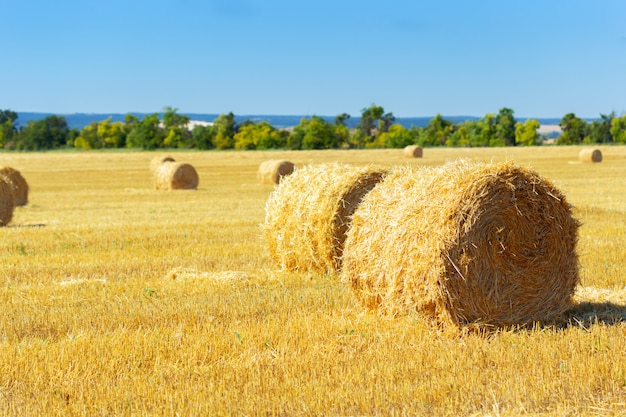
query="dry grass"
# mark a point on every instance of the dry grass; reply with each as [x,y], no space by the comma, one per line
[123,300]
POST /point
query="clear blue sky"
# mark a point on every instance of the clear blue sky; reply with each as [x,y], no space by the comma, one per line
[325,57]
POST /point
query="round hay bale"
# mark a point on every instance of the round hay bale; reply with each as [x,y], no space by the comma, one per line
[175,176]
[272,171]
[590,155]
[158,160]
[465,243]
[413,151]
[18,185]
[7,201]
[309,212]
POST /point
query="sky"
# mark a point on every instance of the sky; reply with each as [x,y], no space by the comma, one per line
[414,58]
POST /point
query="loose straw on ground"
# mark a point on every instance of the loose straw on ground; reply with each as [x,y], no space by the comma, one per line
[464,243]
[272,171]
[308,214]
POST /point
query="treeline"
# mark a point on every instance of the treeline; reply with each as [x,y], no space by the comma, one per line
[376,129]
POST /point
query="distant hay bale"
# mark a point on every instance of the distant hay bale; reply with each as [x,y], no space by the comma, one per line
[7,201]
[18,185]
[158,160]
[466,243]
[272,171]
[413,151]
[590,155]
[175,176]
[309,213]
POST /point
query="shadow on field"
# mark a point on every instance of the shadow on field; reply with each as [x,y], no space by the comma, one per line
[28,225]
[588,313]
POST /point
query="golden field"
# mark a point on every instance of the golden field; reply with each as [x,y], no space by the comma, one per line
[117,299]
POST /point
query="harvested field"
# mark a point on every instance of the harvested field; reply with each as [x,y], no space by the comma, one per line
[120,300]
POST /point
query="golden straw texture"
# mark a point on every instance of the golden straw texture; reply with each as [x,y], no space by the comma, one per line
[158,160]
[175,176]
[308,214]
[590,155]
[413,151]
[7,201]
[464,243]
[271,172]
[19,186]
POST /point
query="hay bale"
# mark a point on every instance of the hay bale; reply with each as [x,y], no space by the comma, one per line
[7,201]
[590,155]
[272,171]
[158,160]
[309,212]
[18,185]
[413,151]
[175,176]
[464,243]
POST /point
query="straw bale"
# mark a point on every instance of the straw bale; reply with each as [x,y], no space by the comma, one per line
[590,155]
[309,212]
[18,185]
[158,160]
[175,176]
[272,171]
[7,201]
[466,243]
[413,151]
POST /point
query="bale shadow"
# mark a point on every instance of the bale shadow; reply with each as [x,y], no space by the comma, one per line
[31,226]
[588,313]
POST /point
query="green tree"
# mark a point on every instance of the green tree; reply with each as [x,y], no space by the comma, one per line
[397,136]
[177,135]
[261,135]
[600,130]
[461,135]
[313,133]
[226,127]
[526,133]
[437,132]
[505,127]
[202,137]
[49,133]
[146,134]
[575,130]
[618,129]
[341,119]
[7,126]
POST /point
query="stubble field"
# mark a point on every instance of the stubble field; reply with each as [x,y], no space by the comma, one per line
[117,299]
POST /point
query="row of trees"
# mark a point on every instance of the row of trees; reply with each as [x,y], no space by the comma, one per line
[376,129]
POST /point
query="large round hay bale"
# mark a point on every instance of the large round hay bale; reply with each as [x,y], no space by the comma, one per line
[309,212]
[271,172]
[158,160]
[464,243]
[175,176]
[18,185]
[590,155]
[413,151]
[7,201]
